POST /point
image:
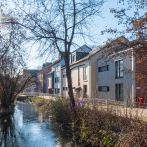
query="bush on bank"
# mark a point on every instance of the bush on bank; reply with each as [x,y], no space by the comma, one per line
[58,109]
[96,127]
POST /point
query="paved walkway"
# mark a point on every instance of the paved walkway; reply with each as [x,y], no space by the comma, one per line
[115,108]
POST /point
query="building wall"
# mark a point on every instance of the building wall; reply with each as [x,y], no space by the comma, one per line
[64,85]
[54,79]
[108,78]
[132,87]
[40,81]
[141,74]
[77,79]
[43,78]
[93,83]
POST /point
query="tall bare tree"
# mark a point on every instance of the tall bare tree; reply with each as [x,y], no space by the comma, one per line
[11,64]
[56,24]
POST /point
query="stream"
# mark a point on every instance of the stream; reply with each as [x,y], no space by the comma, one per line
[27,128]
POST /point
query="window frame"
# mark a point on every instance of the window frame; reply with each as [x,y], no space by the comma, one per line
[85,77]
[119,69]
[56,79]
[103,68]
[100,88]
[119,92]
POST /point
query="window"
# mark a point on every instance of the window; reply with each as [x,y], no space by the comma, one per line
[64,88]
[103,68]
[119,92]
[103,88]
[58,90]
[64,75]
[84,73]
[56,80]
[119,69]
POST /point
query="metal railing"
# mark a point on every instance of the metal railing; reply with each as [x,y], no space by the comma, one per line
[34,94]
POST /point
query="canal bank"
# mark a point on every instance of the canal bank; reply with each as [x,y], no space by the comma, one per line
[27,128]
[97,126]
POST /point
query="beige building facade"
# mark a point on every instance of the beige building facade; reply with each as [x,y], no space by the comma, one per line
[107,72]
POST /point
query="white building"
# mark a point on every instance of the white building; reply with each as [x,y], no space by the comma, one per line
[57,78]
[108,72]
[115,77]
[54,84]
[80,79]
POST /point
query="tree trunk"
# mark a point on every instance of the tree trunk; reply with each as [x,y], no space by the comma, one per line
[69,81]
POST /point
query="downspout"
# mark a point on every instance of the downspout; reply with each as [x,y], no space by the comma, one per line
[133,79]
[89,80]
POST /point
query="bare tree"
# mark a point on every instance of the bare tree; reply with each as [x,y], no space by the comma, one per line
[11,64]
[11,82]
[132,17]
[56,24]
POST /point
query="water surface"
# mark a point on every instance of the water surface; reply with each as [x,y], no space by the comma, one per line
[27,129]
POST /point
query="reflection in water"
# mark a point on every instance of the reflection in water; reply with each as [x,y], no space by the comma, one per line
[27,128]
[7,132]
[24,129]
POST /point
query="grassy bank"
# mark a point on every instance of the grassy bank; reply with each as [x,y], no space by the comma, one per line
[95,127]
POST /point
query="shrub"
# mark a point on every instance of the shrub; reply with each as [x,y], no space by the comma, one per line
[95,127]
[104,129]
[58,109]
[38,101]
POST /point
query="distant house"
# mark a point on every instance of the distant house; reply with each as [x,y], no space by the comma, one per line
[80,78]
[57,79]
[54,78]
[43,78]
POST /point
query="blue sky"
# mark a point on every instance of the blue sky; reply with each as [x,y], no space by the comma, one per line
[106,19]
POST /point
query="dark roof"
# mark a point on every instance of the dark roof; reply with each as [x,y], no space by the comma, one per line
[81,48]
[118,44]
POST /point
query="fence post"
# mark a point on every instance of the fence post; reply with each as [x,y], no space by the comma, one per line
[107,105]
[126,105]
